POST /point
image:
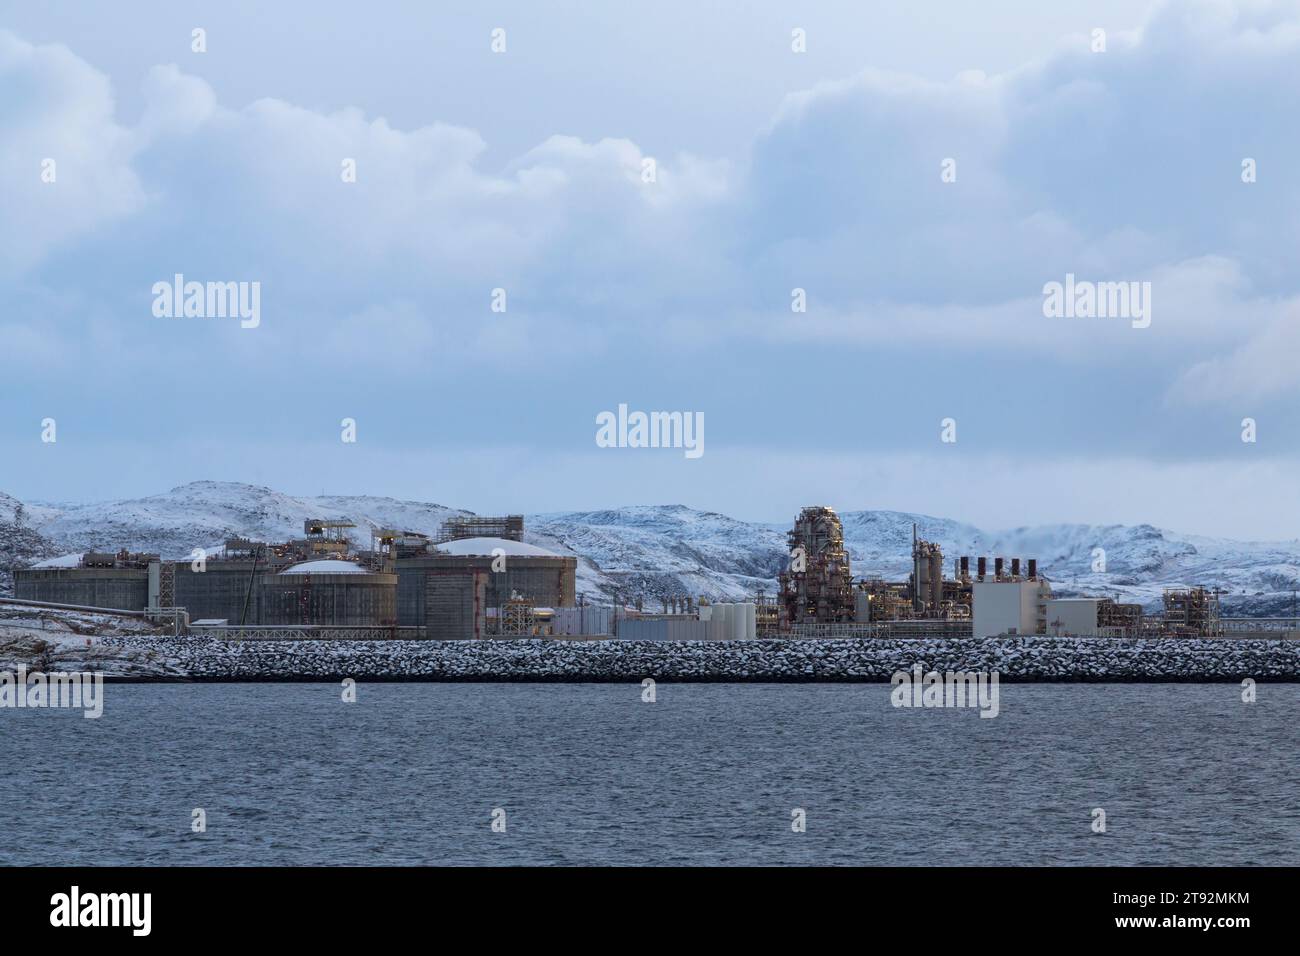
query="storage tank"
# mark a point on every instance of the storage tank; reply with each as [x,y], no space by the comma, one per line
[751,621]
[546,578]
[717,624]
[121,589]
[224,589]
[330,592]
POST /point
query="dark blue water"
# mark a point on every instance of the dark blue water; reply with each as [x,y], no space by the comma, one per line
[410,774]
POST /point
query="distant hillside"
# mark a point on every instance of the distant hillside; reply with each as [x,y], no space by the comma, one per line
[20,544]
[655,550]
[202,514]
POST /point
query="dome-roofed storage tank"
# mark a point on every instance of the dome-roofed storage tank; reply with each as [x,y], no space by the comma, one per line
[450,589]
[330,592]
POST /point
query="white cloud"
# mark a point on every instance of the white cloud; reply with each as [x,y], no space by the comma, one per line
[1120,166]
[1262,368]
[57,108]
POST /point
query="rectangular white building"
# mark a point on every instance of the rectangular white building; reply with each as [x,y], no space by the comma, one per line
[1009,607]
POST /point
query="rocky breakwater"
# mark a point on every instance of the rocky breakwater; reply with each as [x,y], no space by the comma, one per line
[46,641]
[1015,658]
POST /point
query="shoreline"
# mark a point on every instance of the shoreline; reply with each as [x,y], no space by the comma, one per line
[793,681]
[137,659]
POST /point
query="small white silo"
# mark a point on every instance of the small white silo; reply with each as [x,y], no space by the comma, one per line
[724,631]
[737,622]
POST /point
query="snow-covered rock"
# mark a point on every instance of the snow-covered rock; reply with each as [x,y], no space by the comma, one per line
[869,660]
[21,543]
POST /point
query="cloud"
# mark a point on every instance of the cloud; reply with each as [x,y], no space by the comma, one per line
[1122,166]
[65,163]
[1261,369]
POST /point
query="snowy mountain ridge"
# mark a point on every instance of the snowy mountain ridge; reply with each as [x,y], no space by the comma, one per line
[656,550]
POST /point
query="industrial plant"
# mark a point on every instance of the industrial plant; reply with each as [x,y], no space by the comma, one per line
[477,578]
[819,596]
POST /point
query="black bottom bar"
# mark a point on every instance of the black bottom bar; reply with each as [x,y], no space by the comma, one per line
[236,904]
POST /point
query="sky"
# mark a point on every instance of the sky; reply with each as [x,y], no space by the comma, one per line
[920,171]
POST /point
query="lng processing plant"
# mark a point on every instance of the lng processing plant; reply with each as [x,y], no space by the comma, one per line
[477,579]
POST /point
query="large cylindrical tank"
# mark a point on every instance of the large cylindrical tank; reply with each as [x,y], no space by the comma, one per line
[219,590]
[122,589]
[751,621]
[548,580]
[328,592]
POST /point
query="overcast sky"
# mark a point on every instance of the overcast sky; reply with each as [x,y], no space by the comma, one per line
[775,170]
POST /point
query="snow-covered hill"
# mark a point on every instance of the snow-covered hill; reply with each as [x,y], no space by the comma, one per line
[665,550]
[203,514]
[20,543]
[1256,578]
[653,551]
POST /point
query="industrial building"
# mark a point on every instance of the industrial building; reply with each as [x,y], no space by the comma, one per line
[817,587]
[1093,617]
[725,621]
[463,588]
[304,581]
[820,597]
[119,581]
[1010,606]
[218,589]
[328,591]
[510,527]
[479,579]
